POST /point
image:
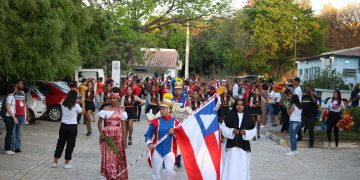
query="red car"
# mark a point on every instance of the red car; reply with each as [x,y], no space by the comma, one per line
[55,93]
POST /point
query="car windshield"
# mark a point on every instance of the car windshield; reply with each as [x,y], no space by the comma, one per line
[63,86]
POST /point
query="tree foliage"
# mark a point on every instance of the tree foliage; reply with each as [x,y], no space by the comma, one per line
[344,26]
[260,38]
[49,39]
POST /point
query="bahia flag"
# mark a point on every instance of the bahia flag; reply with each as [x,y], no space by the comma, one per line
[200,145]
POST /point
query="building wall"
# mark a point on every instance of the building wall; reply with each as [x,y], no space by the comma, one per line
[307,69]
[342,63]
[149,72]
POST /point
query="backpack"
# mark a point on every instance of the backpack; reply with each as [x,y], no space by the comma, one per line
[3,108]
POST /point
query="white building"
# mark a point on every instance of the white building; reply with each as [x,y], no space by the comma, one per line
[161,61]
[345,62]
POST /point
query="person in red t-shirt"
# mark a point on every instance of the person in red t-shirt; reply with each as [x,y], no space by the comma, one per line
[137,91]
[20,113]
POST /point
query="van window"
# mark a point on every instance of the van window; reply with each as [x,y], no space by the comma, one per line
[88,74]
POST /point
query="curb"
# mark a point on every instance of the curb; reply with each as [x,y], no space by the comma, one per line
[304,144]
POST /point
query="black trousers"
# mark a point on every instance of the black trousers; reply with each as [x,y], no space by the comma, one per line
[309,123]
[138,112]
[285,119]
[332,120]
[67,135]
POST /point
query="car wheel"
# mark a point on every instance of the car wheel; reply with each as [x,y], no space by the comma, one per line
[54,113]
[31,116]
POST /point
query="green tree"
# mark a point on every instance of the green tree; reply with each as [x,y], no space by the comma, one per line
[48,39]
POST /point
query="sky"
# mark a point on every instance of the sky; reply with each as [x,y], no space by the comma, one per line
[316,4]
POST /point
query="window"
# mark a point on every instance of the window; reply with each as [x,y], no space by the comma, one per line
[349,73]
[300,72]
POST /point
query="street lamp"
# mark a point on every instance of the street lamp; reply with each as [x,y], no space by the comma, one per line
[295,18]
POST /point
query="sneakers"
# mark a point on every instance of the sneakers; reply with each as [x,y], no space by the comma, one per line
[130,141]
[55,165]
[291,153]
[68,166]
[9,152]
[262,126]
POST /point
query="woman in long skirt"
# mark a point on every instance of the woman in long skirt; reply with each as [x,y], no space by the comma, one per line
[113,162]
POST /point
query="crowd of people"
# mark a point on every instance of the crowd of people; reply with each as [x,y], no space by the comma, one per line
[245,108]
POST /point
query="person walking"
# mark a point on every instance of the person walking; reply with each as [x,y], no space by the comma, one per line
[256,102]
[68,128]
[265,94]
[294,110]
[20,112]
[129,101]
[154,100]
[113,162]
[309,112]
[10,118]
[336,107]
[163,155]
[89,106]
[238,128]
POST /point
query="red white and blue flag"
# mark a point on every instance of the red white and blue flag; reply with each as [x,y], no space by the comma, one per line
[200,145]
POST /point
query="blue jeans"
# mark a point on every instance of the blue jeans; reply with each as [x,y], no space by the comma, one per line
[9,123]
[293,129]
[18,128]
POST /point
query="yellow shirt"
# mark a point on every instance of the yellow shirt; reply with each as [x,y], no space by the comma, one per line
[82,90]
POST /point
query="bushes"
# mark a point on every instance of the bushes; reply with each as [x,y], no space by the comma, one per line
[355,113]
[327,79]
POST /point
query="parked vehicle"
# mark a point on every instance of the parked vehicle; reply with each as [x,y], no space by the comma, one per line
[89,74]
[36,103]
[55,93]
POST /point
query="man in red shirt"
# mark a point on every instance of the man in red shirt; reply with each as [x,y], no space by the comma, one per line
[20,113]
[137,91]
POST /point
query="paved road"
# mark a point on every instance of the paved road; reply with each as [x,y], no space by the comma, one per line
[268,159]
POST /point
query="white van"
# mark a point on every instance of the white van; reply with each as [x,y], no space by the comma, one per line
[89,73]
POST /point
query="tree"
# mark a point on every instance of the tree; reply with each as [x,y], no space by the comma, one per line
[344,26]
[48,39]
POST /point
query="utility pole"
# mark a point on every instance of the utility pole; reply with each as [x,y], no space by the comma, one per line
[295,18]
[187,50]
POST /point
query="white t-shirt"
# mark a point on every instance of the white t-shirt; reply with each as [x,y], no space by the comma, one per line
[331,104]
[271,97]
[235,90]
[277,95]
[296,114]
[298,92]
[10,100]
[105,114]
[70,116]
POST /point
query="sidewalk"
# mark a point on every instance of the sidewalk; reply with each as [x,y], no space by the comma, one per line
[282,139]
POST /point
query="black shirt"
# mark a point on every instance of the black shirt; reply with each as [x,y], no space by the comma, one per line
[309,108]
[355,102]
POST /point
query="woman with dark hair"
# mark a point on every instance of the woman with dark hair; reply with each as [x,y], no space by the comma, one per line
[265,94]
[225,104]
[195,100]
[294,110]
[68,128]
[285,118]
[256,102]
[105,97]
[238,128]
[10,119]
[89,106]
[336,108]
[154,100]
[129,102]
[112,162]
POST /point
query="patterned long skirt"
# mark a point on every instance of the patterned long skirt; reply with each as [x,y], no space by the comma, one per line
[112,164]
